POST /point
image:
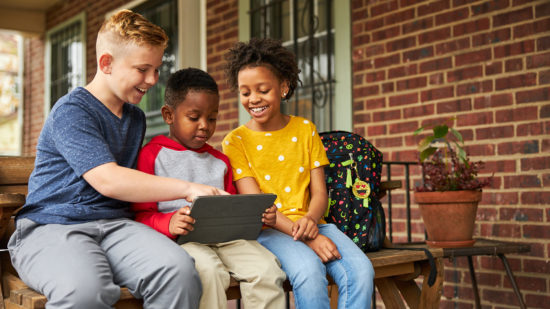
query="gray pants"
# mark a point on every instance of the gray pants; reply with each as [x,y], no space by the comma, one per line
[83,265]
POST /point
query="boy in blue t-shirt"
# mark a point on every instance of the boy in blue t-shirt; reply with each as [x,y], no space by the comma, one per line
[75,240]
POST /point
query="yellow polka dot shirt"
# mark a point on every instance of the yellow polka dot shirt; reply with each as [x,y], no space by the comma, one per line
[280,161]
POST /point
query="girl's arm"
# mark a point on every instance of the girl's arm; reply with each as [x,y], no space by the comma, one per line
[306,227]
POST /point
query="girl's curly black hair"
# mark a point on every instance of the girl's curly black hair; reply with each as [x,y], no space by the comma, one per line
[262,51]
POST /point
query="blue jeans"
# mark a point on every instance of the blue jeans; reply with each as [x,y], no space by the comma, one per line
[308,274]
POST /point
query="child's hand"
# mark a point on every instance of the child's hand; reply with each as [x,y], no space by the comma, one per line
[195,190]
[269,217]
[304,229]
[181,223]
[324,248]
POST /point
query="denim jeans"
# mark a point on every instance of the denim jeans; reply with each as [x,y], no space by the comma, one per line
[307,273]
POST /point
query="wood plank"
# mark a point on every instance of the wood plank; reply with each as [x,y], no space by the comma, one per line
[410,291]
[431,295]
[15,170]
[393,270]
[389,293]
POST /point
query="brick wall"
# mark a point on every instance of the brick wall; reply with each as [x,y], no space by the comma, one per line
[488,64]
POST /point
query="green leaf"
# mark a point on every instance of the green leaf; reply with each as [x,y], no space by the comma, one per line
[418,131]
[457,135]
[461,154]
[426,153]
[425,142]
[441,131]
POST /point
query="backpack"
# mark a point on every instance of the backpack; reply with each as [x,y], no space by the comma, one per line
[353,183]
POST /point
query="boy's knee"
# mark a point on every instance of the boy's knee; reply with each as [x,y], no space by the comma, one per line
[87,293]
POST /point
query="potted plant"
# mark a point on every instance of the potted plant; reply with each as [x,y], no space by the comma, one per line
[451,188]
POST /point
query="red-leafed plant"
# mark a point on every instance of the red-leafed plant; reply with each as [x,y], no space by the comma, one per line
[445,164]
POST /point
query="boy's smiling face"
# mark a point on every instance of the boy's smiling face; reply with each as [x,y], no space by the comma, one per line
[193,121]
[134,70]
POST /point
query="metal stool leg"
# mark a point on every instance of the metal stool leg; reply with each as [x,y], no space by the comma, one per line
[512,280]
[474,282]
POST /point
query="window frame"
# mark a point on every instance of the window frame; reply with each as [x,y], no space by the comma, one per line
[48,53]
[342,118]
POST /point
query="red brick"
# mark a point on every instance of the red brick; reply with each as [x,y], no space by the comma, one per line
[383,8]
[471,27]
[522,181]
[376,130]
[388,142]
[386,115]
[358,105]
[538,61]
[361,39]
[406,70]
[404,99]
[433,7]
[540,163]
[524,147]
[492,68]
[489,6]
[388,87]
[513,65]
[448,47]
[517,114]
[403,127]
[428,37]
[545,111]
[411,83]
[418,111]
[399,17]
[436,65]
[539,128]
[449,17]
[536,231]
[543,43]
[474,87]
[366,91]
[417,25]
[521,214]
[465,73]
[514,49]
[470,119]
[544,77]
[505,230]
[535,95]
[542,10]
[402,43]
[376,76]
[361,118]
[372,24]
[495,132]
[386,61]
[436,94]
[480,150]
[516,81]
[385,34]
[535,197]
[376,103]
[494,37]
[418,54]
[531,28]
[500,198]
[537,266]
[437,79]
[454,106]
[511,17]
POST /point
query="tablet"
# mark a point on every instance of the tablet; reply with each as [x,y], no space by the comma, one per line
[222,218]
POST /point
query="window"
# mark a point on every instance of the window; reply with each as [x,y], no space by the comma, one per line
[66,58]
[305,27]
[164,14]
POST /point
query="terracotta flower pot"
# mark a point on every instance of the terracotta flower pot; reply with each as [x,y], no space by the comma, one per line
[449,217]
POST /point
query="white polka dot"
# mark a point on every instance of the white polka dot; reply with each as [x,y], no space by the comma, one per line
[249,165]
[239,171]
[293,209]
[287,189]
[239,137]
[227,142]
[267,177]
[306,122]
[316,163]
[268,134]
[281,158]
[313,133]
[295,139]
[301,169]
[279,205]
[259,147]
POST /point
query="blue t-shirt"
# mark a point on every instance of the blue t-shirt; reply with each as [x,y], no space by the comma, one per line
[80,133]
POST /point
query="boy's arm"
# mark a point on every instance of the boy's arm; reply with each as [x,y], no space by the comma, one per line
[130,185]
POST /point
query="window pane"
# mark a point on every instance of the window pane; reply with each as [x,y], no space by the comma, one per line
[164,14]
[302,26]
[66,60]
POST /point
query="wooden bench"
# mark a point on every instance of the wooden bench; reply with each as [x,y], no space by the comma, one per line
[395,270]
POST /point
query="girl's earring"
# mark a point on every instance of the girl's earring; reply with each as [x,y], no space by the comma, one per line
[284,95]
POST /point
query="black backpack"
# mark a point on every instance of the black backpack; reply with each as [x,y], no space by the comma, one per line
[353,183]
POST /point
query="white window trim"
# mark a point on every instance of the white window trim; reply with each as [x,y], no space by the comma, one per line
[47,57]
[342,115]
